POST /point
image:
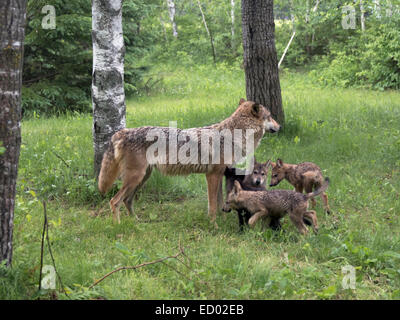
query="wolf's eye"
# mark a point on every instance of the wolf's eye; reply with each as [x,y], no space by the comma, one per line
[263,174]
[255,172]
[275,175]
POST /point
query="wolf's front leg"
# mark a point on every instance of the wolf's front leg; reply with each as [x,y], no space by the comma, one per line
[220,198]
[256,216]
[214,180]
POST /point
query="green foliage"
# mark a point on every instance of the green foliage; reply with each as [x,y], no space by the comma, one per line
[369,60]
[57,68]
[58,63]
[338,56]
[14,282]
[356,147]
[193,39]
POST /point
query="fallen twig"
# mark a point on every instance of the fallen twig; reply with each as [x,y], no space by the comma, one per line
[138,266]
[46,230]
[59,157]
[42,246]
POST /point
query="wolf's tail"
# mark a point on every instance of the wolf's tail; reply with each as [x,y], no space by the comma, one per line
[321,189]
[109,169]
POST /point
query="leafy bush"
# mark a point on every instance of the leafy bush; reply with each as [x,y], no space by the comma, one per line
[58,62]
[370,60]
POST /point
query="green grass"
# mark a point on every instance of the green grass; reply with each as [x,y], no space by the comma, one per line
[354,135]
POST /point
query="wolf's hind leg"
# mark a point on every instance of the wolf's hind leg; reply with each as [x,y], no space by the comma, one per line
[128,201]
[308,189]
[297,220]
[325,202]
[312,215]
[132,178]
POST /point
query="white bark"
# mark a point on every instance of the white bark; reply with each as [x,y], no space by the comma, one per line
[233,21]
[207,30]
[108,94]
[316,6]
[286,49]
[308,11]
[314,11]
[377,8]
[292,16]
[362,15]
[171,11]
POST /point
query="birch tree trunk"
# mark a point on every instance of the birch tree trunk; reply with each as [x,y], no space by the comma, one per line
[260,60]
[208,32]
[108,96]
[362,16]
[171,11]
[314,11]
[233,23]
[12,30]
[316,6]
[377,9]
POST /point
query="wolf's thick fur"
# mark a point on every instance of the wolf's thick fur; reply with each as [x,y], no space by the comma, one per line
[127,155]
[303,176]
[275,204]
[254,181]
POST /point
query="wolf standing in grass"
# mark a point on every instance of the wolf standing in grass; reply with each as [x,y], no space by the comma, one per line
[274,204]
[133,153]
[303,176]
[254,181]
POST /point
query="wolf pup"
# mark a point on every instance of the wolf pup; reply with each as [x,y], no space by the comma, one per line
[275,204]
[132,155]
[306,175]
[254,181]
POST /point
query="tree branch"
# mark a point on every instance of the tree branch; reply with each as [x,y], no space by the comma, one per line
[138,266]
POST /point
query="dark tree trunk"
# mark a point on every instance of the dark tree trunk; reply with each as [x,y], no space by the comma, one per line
[260,60]
[12,29]
[108,96]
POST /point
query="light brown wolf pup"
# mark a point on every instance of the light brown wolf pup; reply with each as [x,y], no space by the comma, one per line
[127,155]
[305,176]
[275,204]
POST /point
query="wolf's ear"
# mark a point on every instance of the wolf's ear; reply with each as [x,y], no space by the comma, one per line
[255,109]
[241,101]
[279,163]
[268,164]
[237,187]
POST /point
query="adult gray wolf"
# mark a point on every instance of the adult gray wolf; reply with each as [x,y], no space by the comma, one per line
[133,153]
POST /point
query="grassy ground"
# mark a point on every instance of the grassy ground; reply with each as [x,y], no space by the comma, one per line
[353,135]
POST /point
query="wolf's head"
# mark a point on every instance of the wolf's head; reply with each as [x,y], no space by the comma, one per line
[258,177]
[233,198]
[278,172]
[260,114]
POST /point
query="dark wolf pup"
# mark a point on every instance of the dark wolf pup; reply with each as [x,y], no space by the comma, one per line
[305,175]
[129,155]
[275,204]
[254,181]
